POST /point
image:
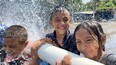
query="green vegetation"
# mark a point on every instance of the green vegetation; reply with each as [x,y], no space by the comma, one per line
[79,6]
[101,4]
[107,4]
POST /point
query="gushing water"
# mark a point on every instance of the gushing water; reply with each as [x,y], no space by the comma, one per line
[28,13]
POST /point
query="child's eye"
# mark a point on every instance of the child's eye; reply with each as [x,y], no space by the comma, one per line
[12,46]
[65,19]
[77,42]
[89,40]
[57,20]
[4,45]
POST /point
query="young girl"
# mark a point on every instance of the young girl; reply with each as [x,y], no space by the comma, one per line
[61,37]
[90,40]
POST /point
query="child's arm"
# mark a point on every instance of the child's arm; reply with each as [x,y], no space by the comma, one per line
[34,49]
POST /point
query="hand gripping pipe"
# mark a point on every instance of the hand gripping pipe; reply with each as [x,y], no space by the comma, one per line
[50,54]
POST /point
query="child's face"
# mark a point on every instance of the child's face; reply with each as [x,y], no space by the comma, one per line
[87,44]
[60,22]
[12,47]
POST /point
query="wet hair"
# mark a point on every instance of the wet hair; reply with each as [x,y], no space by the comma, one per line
[58,9]
[16,31]
[92,27]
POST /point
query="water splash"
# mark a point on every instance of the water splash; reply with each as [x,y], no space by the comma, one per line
[28,13]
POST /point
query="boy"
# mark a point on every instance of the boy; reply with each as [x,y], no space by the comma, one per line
[61,37]
[15,39]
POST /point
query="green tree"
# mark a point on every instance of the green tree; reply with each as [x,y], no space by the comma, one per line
[114,2]
[106,4]
[92,5]
[89,6]
[77,4]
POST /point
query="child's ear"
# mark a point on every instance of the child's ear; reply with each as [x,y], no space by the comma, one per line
[26,43]
[103,39]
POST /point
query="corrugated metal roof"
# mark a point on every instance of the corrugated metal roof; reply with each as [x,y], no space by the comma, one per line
[85,12]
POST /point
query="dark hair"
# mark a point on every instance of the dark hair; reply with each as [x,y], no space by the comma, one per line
[58,9]
[92,27]
[16,31]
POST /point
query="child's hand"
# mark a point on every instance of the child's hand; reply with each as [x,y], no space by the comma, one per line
[38,43]
[49,40]
[66,61]
[34,48]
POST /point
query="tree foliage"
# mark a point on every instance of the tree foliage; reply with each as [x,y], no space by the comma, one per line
[106,4]
[101,4]
[77,5]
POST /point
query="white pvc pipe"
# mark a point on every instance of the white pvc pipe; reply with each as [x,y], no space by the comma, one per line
[50,53]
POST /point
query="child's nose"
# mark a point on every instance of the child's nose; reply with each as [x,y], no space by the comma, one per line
[62,22]
[83,47]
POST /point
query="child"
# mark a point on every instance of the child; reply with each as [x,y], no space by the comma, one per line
[90,40]
[15,39]
[61,37]
[60,21]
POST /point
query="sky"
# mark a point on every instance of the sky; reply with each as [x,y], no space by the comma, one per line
[85,1]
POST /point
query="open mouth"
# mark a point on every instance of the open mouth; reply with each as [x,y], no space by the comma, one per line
[10,54]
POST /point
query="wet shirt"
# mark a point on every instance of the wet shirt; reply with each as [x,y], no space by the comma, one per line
[6,60]
[109,59]
[68,42]
[2,54]
[17,61]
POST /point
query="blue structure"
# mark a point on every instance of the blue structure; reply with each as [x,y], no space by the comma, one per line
[2,28]
[2,52]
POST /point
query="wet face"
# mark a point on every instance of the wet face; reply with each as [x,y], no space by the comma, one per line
[87,44]
[61,21]
[12,47]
